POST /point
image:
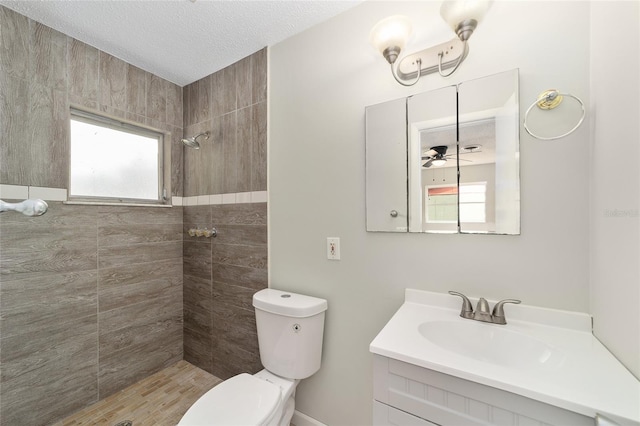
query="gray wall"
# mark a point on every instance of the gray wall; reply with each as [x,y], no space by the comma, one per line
[615,181]
[90,297]
[221,274]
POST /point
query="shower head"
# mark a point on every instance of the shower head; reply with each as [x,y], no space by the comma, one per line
[192,142]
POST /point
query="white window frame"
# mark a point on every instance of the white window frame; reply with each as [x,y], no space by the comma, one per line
[429,220]
[110,123]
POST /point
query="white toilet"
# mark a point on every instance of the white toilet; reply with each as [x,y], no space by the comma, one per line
[290,329]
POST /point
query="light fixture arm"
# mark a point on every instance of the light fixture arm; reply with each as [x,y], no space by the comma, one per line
[460,59]
[393,72]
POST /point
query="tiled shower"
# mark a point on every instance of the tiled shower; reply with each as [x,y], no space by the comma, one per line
[91,297]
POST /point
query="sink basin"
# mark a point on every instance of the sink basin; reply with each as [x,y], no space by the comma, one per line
[492,343]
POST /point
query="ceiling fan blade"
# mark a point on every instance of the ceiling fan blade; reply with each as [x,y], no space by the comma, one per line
[428,163]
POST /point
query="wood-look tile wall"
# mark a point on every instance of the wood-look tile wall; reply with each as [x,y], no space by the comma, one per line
[90,297]
[42,73]
[232,105]
[220,277]
[90,302]
[221,274]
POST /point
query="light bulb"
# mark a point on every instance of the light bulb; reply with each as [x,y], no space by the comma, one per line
[390,35]
[462,13]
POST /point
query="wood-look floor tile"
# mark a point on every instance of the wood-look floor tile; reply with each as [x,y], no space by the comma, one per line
[158,400]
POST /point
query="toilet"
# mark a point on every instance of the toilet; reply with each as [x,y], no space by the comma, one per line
[290,331]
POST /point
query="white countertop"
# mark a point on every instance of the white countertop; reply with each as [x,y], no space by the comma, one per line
[588,379]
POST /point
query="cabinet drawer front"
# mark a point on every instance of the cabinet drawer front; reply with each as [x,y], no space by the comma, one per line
[384,415]
[448,400]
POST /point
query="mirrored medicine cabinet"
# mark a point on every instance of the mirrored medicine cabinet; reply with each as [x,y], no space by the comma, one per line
[446,160]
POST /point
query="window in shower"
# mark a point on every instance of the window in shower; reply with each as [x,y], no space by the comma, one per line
[114,161]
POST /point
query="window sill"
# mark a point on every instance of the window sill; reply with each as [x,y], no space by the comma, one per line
[105,203]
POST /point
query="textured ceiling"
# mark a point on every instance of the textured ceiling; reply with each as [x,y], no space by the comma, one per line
[180,40]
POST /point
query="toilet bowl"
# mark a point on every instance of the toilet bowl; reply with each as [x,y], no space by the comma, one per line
[290,331]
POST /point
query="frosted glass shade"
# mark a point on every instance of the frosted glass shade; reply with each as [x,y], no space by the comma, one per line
[456,11]
[393,31]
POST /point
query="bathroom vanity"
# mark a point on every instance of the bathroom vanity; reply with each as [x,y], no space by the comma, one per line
[544,367]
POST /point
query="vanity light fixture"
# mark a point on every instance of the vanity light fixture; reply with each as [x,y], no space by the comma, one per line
[390,35]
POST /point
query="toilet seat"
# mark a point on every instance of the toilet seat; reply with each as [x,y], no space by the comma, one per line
[240,400]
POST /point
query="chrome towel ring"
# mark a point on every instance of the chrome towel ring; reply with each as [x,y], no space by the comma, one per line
[547,100]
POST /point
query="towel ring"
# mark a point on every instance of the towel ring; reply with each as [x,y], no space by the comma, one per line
[549,99]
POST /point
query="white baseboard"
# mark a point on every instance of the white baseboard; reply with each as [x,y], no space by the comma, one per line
[300,419]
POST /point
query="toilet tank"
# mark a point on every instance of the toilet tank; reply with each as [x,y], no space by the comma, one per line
[290,330]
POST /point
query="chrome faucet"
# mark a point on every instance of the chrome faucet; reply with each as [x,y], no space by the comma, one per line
[482,312]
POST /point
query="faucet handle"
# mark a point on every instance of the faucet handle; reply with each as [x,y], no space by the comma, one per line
[498,310]
[467,309]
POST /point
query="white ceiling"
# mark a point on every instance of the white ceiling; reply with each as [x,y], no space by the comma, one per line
[180,40]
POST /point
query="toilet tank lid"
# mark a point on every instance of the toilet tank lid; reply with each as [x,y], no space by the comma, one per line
[288,304]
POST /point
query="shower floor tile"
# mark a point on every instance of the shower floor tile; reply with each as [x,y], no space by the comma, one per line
[159,400]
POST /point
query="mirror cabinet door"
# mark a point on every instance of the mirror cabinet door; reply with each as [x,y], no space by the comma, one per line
[489,188]
[433,198]
[447,160]
[386,166]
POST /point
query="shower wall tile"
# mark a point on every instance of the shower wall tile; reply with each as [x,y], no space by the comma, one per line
[47,374]
[232,103]
[139,323]
[222,275]
[197,259]
[198,101]
[253,278]
[32,304]
[124,367]
[254,235]
[113,82]
[48,57]
[259,76]
[14,108]
[138,253]
[126,215]
[223,89]
[240,214]
[14,49]
[259,147]
[157,98]
[244,82]
[213,177]
[174,105]
[136,91]
[197,163]
[233,296]
[196,216]
[197,349]
[229,153]
[117,235]
[251,256]
[229,359]
[176,162]
[84,65]
[131,284]
[40,248]
[197,295]
[244,149]
[48,135]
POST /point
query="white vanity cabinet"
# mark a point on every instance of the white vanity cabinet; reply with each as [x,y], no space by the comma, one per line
[405,394]
[544,367]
